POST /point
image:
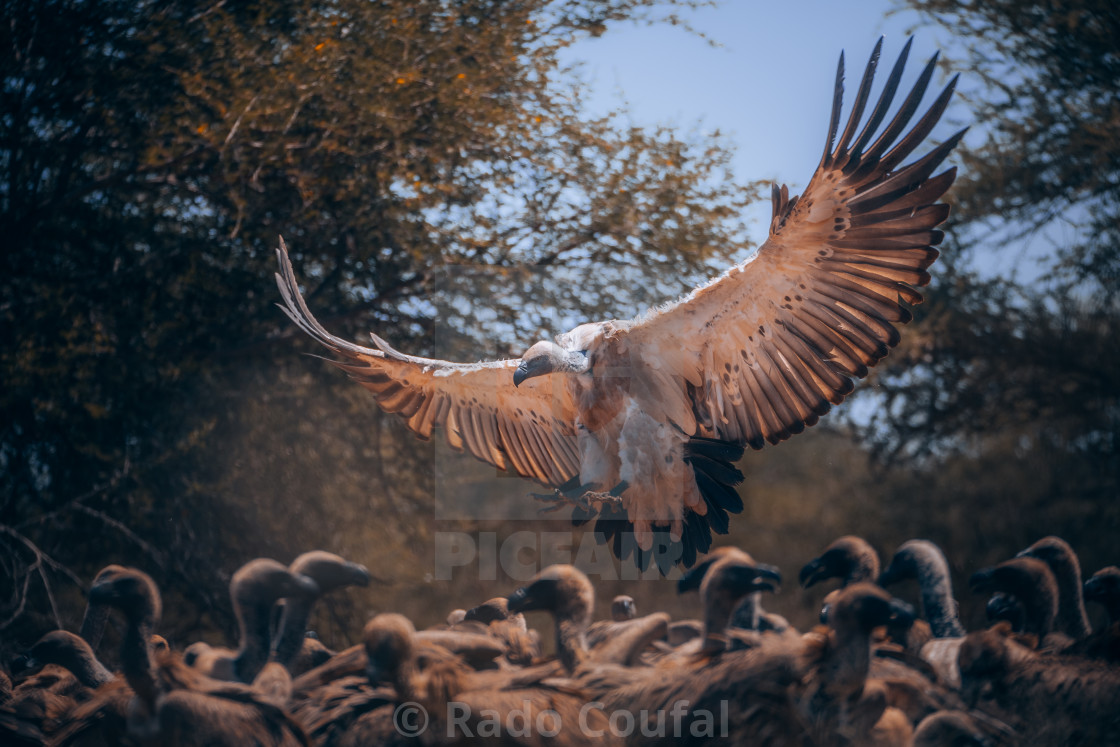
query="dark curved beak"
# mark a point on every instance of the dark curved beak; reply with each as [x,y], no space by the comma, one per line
[769,578]
[981,581]
[519,600]
[902,613]
[521,374]
[361,574]
[813,572]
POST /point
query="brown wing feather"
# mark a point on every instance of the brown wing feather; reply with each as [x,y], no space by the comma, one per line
[527,429]
[774,342]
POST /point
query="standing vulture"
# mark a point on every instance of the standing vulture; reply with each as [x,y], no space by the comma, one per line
[639,422]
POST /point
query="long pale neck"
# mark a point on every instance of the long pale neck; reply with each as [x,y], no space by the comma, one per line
[136,662]
[293,626]
[1072,617]
[89,671]
[93,624]
[937,599]
[253,622]
[747,613]
[571,642]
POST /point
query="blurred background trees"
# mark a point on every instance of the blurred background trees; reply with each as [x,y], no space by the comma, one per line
[431,161]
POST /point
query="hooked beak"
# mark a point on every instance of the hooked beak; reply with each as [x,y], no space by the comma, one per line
[519,600]
[533,365]
[813,572]
[521,373]
[769,578]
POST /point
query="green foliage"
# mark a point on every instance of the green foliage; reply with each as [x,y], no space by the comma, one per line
[1044,81]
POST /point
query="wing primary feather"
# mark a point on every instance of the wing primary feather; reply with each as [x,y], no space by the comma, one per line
[803,378]
[815,371]
[925,194]
[884,102]
[834,121]
[903,181]
[920,130]
[840,155]
[836,346]
[918,218]
[787,420]
[796,394]
[901,118]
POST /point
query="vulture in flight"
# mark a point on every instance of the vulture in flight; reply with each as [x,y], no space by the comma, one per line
[637,424]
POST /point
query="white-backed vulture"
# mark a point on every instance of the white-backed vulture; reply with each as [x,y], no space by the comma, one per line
[924,562]
[290,646]
[849,558]
[749,614]
[69,651]
[566,593]
[1056,553]
[639,422]
[254,590]
[1049,699]
[93,621]
[623,608]
[456,699]
[172,704]
[493,618]
[1031,582]
[1104,587]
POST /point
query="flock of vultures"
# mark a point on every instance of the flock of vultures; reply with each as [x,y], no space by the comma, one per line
[874,672]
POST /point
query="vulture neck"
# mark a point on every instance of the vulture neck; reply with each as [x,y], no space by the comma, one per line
[1072,617]
[89,671]
[569,361]
[747,614]
[293,626]
[571,641]
[93,624]
[253,623]
[937,596]
[136,663]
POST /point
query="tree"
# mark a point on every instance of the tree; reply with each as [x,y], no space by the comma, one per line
[1001,405]
[151,154]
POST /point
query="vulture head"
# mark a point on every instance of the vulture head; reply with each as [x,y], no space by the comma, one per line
[130,591]
[1104,587]
[264,581]
[1003,607]
[489,611]
[850,559]
[862,607]
[57,647]
[563,590]
[329,571]
[388,640]
[623,608]
[569,354]
[1028,580]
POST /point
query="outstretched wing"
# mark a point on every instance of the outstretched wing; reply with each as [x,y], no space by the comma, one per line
[527,429]
[764,350]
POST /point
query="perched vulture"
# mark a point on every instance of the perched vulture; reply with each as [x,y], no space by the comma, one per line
[640,422]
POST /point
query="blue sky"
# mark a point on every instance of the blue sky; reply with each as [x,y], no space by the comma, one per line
[768,86]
